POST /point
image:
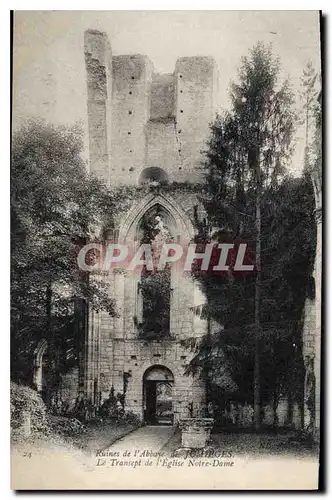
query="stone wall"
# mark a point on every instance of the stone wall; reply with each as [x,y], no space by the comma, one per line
[309,335]
[134,357]
[163,147]
[69,387]
[242,415]
[195,80]
[312,329]
[318,329]
[98,63]
[122,353]
[309,327]
[139,119]
[132,77]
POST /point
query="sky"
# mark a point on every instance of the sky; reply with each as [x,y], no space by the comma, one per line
[49,79]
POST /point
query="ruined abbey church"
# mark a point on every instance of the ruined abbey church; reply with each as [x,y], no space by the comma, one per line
[147,128]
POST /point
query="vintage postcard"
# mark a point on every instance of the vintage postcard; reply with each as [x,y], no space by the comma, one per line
[166,250]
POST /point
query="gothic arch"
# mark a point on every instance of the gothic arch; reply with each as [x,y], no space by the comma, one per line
[129,226]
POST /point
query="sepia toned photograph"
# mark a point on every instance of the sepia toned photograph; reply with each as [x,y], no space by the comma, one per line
[166,250]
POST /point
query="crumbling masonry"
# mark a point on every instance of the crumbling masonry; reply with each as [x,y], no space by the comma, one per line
[146,127]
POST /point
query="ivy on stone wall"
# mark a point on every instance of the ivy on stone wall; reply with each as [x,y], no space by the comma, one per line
[127,196]
[155,285]
[97,74]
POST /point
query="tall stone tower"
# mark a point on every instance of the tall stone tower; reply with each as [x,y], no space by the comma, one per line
[147,129]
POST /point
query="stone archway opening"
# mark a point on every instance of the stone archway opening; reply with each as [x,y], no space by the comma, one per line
[158,384]
[153,174]
[42,368]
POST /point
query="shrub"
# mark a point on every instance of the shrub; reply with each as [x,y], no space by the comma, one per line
[84,410]
[65,426]
[112,408]
[23,400]
[132,419]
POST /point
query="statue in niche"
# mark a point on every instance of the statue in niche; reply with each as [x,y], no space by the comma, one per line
[161,227]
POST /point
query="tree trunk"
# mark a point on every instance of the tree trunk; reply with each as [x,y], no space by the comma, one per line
[275,408]
[257,406]
[290,405]
[49,309]
[53,354]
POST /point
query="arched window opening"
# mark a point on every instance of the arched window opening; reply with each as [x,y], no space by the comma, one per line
[153,175]
[154,289]
[156,295]
[42,367]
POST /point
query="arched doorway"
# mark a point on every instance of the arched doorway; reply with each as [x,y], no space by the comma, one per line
[158,382]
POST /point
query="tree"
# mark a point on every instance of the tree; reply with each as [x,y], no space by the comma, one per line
[246,187]
[54,205]
[227,355]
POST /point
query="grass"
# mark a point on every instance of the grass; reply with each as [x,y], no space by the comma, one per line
[96,436]
[252,444]
[101,436]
